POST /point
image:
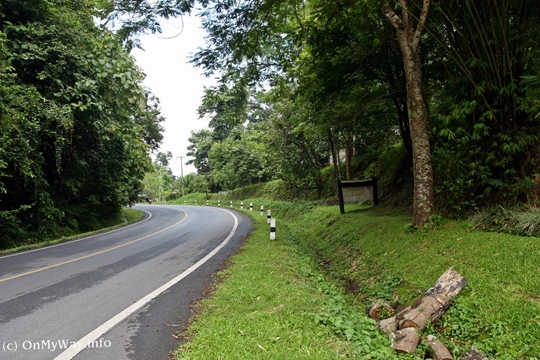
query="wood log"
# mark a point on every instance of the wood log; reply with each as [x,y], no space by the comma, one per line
[419,314]
[388,326]
[474,354]
[437,349]
[445,290]
[406,340]
[380,310]
[434,302]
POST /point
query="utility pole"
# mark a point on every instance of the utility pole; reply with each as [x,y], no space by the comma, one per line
[181,172]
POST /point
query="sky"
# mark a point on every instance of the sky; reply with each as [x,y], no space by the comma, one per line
[176,82]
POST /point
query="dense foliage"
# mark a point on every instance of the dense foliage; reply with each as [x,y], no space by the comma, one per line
[335,91]
[76,124]
[324,83]
[308,91]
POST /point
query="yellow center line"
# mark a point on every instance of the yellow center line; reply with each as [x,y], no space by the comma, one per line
[93,254]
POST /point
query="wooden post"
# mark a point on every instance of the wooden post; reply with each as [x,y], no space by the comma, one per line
[340,197]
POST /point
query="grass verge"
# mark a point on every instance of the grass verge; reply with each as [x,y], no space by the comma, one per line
[273,303]
[306,294]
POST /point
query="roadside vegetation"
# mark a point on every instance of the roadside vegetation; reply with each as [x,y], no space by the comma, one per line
[306,294]
[307,92]
[125,217]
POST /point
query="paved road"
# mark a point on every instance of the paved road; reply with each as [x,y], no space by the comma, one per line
[118,295]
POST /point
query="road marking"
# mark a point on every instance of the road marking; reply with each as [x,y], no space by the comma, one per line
[115,320]
[92,254]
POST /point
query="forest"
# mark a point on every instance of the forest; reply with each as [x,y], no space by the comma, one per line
[439,100]
[76,125]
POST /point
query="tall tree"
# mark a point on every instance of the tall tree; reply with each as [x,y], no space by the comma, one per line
[409,25]
[200,145]
[74,96]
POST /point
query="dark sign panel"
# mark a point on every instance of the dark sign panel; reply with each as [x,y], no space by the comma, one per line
[356,191]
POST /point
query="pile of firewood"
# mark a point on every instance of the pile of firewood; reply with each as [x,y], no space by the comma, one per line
[403,328]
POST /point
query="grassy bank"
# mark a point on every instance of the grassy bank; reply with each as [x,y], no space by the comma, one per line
[306,294]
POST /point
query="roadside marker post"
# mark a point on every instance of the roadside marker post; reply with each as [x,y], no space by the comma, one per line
[262,210]
[273,229]
[250,206]
[268,216]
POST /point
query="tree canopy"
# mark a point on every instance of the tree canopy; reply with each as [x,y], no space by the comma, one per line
[77,125]
[307,92]
[342,82]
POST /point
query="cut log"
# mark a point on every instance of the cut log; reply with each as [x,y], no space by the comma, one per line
[438,350]
[419,314]
[474,354]
[446,289]
[434,302]
[406,340]
[380,310]
[388,326]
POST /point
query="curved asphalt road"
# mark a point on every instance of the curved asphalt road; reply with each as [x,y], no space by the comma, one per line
[118,295]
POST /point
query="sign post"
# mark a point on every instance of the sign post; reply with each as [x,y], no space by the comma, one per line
[357,190]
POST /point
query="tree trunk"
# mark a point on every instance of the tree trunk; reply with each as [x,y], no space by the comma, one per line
[348,145]
[335,160]
[409,40]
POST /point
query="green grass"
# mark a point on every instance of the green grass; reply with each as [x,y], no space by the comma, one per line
[306,294]
[273,303]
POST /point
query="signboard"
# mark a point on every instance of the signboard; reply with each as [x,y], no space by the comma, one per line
[356,191]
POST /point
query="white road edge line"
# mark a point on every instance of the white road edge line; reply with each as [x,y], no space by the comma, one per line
[71,352]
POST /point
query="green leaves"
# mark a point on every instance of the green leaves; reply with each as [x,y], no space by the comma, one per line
[77,125]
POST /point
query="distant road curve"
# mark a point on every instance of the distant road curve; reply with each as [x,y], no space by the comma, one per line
[116,295]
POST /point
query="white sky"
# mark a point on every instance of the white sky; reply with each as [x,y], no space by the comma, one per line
[177,83]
